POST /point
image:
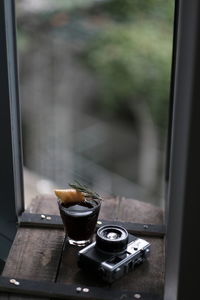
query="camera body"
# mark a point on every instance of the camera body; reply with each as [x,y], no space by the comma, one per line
[114,253]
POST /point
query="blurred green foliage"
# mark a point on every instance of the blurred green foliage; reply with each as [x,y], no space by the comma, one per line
[129,50]
[126,10]
[131,56]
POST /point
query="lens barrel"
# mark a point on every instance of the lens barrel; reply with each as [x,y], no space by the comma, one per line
[112,239]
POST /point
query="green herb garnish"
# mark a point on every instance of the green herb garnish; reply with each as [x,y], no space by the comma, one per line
[88,193]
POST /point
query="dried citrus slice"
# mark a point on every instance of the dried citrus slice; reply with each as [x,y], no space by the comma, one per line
[69,195]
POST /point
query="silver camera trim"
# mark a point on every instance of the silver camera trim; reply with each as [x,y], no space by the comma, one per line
[133,249]
[85,249]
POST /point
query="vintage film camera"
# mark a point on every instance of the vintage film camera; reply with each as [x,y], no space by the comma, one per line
[114,253]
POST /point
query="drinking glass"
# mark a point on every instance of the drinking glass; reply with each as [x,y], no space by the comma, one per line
[80,221]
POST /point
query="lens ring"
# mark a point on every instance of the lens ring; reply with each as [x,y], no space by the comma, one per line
[112,238]
[104,232]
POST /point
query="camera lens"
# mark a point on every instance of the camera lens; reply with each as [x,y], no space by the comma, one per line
[112,238]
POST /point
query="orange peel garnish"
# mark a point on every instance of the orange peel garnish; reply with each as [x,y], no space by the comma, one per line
[69,195]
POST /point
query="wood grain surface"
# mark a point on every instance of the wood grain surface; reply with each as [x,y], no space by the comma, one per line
[36,252]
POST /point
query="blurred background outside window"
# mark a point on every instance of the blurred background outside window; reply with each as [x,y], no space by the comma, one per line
[94,90]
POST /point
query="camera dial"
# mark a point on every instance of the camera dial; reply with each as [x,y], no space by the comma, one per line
[112,239]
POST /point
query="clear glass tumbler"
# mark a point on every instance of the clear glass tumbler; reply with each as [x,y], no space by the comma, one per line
[80,220]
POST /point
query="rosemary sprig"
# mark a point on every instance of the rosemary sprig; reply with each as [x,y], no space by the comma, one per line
[88,193]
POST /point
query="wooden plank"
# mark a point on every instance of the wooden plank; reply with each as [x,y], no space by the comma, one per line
[14,296]
[155,230]
[109,208]
[55,222]
[44,204]
[117,208]
[46,244]
[135,211]
[59,291]
[35,253]
[41,221]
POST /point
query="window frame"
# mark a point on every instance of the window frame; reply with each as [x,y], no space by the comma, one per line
[11,172]
[182,202]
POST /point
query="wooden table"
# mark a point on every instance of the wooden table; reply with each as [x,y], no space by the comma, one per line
[38,255]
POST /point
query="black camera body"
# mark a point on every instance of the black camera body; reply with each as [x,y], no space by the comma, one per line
[114,253]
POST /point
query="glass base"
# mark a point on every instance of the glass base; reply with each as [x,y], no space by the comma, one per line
[79,243]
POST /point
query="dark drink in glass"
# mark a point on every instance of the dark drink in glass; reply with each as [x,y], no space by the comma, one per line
[79,220]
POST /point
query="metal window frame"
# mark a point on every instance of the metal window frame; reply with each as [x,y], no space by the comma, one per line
[183,151]
[11,175]
[181,278]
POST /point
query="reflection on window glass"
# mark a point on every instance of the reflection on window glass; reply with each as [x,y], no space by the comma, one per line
[94,87]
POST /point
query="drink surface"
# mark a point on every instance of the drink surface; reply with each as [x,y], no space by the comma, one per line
[83,208]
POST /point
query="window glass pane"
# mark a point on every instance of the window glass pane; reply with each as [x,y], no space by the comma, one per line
[94,87]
